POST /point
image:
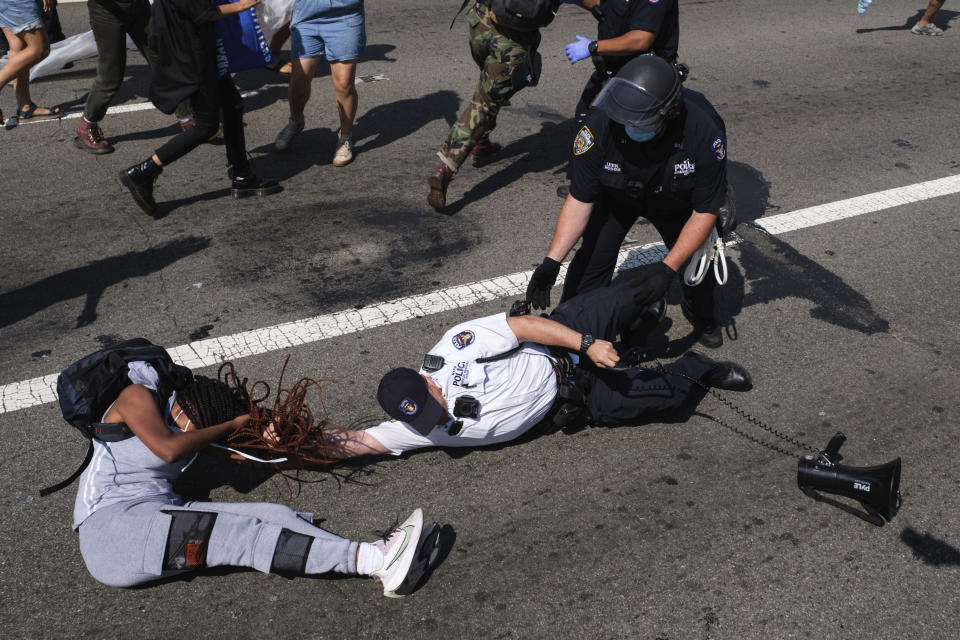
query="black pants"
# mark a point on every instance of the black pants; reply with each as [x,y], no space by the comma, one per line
[623,397]
[112,21]
[209,104]
[590,91]
[593,264]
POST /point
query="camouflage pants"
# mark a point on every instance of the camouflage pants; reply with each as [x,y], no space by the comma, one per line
[498,56]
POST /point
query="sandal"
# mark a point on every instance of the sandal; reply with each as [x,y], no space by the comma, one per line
[279,65]
[29,111]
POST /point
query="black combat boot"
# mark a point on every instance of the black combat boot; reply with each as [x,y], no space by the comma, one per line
[139,180]
[246,183]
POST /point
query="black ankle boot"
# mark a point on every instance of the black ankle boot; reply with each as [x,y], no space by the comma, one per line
[139,180]
[245,183]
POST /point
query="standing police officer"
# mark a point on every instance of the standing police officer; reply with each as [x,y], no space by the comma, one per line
[648,148]
[626,30]
[503,43]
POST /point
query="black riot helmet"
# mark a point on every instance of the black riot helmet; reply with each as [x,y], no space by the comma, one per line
[646,91]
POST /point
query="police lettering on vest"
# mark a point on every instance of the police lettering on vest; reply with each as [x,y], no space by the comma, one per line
[682,169]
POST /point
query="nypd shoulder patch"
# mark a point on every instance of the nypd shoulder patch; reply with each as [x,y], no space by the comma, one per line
[584,141]
[719,150]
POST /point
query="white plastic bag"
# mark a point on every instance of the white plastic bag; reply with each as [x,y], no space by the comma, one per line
[273,15]
[77,47]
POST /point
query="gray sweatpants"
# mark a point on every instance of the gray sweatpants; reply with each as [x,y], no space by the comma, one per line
[124,544]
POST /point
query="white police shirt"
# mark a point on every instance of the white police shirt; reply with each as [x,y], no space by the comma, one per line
[514,393]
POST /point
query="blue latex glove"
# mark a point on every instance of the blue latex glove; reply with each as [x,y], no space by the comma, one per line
[578,50]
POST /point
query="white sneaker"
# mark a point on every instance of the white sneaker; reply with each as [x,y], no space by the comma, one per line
[928,29]
[398,553]
[344,153]
[287,134]
[424,561]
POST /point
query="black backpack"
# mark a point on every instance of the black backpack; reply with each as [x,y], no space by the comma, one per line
[519,14]
[524,14]
[87,387]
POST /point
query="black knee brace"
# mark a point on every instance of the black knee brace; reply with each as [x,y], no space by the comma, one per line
[187,539]
[290,554]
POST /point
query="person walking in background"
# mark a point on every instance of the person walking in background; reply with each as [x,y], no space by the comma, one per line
[504,47]
[334,29]
[186,45]
[112,21]
[925,26]
[23,28]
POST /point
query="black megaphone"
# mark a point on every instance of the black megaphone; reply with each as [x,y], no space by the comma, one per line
[876,488]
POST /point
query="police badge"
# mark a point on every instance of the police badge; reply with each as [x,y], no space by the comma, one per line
[584,141]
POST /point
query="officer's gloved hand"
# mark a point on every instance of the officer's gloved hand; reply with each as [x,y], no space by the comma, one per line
[578,50]
[542,280]
[652,283]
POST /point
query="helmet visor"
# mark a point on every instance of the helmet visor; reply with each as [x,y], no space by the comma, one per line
[630,105]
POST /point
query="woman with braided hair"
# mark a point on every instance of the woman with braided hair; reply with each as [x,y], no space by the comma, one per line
[135,529]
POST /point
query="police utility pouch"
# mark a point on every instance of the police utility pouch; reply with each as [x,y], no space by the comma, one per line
[527,74]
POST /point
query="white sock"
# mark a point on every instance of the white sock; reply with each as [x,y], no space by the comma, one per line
[369,558]
[185,118]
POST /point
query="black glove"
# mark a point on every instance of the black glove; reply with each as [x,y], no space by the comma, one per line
[652,283]
[542,280]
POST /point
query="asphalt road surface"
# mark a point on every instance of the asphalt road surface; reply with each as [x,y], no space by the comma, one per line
[664,530]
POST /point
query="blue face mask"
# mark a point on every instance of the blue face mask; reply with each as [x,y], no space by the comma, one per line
[641,134]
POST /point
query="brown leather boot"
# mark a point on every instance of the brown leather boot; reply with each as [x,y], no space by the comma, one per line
[439,181]
[90,138]
[483,150]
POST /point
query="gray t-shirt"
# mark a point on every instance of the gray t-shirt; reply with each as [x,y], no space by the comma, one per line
[127,471]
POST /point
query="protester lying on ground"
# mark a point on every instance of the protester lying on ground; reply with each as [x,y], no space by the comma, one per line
[135,529]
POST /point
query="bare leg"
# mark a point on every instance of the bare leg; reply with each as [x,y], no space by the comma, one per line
[21,88]
[279,38]
[299,90]
[276,44]
[26,49]
[344,82]
[932,8]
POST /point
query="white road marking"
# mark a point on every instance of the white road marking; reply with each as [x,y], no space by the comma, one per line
[146,106]
[213,351]
[833,211]
[73,115]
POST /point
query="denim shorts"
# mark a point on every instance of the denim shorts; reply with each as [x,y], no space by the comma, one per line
[330,28]
[20,15]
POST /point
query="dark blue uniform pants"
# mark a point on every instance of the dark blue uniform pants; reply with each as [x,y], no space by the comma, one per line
[593,264]
[622,397]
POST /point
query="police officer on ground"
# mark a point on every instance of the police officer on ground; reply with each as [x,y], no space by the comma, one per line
[490,379]
[648,148]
